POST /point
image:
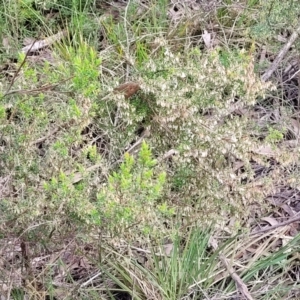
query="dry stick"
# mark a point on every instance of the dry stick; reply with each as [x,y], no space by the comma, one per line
[281,55]
[126,60]
[39,44]
[34,46]
[42,88]
[239,283]
[241,286]
[51,133]
[13,81]
[18,71]
[292,220]
[46,87]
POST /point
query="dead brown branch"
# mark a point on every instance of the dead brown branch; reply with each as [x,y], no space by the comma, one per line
[292,220]
[281,55]
[241,286]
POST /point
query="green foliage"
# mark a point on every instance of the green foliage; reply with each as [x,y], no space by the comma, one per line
[132,193]
[84,63]
[185,266]
[180,93]
[191,267]
[34,115]
[29,18]
[115,33]
[142,53]
[64,5]
[274,135]
[64,198]
[64,132]
[177,269]
[274,16]
[92,153]
[268,265]
[181,177]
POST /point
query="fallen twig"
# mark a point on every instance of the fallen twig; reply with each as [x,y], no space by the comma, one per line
[292,220]
[18,71]
[43,88]
[240,285]
[37,45]
[281,55]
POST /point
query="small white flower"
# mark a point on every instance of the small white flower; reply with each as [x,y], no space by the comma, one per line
[204,154]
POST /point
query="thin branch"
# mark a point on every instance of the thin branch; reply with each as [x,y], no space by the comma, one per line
[292,220]
[281,55]
[43,88]
[39,44]
[240,285]
[18,71]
